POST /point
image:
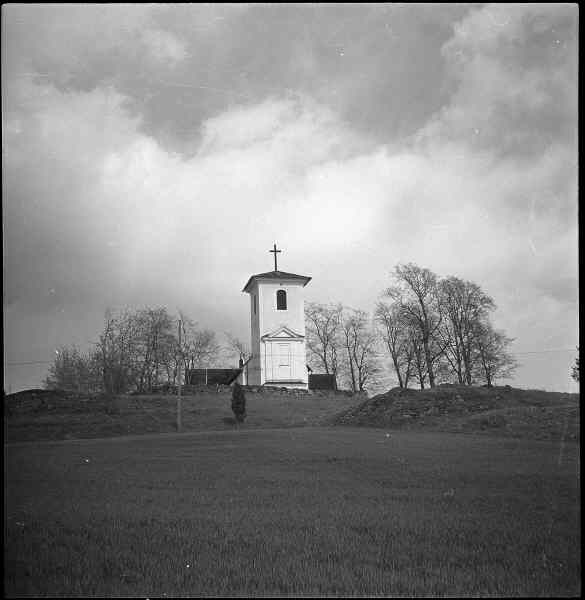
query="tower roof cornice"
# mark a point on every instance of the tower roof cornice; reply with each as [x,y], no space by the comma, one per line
[274,275]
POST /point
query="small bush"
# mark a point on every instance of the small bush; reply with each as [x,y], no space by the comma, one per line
[239,402]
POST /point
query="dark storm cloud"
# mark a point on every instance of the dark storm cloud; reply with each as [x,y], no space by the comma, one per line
[379,66]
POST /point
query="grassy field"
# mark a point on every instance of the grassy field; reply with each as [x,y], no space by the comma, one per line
[293,511]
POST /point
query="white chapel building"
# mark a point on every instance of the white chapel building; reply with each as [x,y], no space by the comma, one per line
[277,316]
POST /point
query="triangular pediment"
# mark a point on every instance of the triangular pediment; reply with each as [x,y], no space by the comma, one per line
[283,333]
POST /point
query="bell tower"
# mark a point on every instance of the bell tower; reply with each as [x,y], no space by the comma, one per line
[277,323]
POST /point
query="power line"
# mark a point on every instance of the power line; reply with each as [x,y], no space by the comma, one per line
[33,362]
[547,351]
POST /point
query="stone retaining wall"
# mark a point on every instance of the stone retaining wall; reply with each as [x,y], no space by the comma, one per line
[187,390]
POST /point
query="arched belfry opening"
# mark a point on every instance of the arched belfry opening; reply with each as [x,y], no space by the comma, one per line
[281,300]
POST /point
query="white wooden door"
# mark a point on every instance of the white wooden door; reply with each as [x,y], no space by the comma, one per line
[283,361]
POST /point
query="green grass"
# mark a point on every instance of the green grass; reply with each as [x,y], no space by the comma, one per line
[297,511]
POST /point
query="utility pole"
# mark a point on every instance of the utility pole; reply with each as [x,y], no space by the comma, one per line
[180,376]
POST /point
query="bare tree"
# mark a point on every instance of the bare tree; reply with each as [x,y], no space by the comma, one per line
[155,340]
[445,326]
[236,346]
[494,359]
[393,329]
[453,355]
[323,326]
[241,350]
[464,305]
[359,341]
[136,350]
[416,293]
[200,346]
[118,352]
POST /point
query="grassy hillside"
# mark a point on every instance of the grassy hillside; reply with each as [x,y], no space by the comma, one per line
[500,410]
[305,511]
[45,415]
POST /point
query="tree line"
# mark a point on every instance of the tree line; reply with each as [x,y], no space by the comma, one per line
[433,330]
[139,351]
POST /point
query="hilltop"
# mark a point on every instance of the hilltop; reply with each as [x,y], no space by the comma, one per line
[457,408]
[52,414]
[55,415]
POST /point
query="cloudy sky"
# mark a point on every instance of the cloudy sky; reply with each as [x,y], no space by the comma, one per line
[152,154]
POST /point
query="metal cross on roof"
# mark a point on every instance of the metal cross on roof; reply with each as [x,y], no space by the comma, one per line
[275,252]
